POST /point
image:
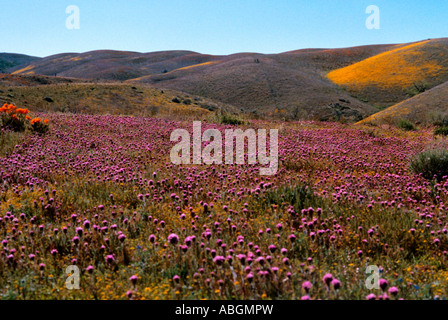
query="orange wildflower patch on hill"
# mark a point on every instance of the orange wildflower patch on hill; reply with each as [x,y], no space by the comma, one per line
[400,67]
[197,65]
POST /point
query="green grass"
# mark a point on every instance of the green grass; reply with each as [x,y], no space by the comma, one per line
[406,125]
[431,163]
[441,131]
[8,141]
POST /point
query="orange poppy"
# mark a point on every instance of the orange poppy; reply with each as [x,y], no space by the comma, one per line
[27,118]
[34,121]
[22,111]
[46,121]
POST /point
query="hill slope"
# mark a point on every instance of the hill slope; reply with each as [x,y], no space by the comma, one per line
[397,74]
[291,84]
[314,84]
[264,85]
[428,108]
[111,65]
[107,98]
[11,60]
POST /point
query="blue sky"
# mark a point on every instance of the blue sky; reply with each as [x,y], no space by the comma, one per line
[214,26]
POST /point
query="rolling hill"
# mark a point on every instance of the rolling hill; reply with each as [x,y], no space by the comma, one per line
[430,107]
[11,60]
[111,65]
[290,85]
[287,85]
[397,74]
[87,97]
[346,84]
[264,85]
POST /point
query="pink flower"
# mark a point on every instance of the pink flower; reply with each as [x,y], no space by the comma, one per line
[383,284]
[173,238]
[393,291]
[336,284]
[327,278]
[219,260]
[110,259]
[307,286]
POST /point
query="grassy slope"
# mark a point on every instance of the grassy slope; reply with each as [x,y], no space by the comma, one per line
[389,77]
[290,85]
[10,60]
[118,99]
[112,65]
[428,107]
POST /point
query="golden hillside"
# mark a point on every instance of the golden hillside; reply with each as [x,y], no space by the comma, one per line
[390,77]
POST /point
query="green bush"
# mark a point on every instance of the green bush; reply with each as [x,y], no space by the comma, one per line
[230,119]
[431,163]
[442,131]
[406,125]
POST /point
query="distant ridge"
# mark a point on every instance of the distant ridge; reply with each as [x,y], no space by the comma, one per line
[347,84]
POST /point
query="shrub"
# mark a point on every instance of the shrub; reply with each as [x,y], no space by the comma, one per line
[431,163]
[17,119]
[13,118]
[437,118]
[39,126]
[230,119]
[406,125]
[416,89]
[442,131]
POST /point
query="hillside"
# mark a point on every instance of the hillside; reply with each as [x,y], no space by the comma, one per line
[111,65]
[347,84]
[427,108]
[13,80]
[290,84]
[264,85]
[287,85]
[109,98]
[11,60]
[395,75]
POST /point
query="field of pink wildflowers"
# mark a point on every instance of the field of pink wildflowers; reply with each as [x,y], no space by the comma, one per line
[100,193]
